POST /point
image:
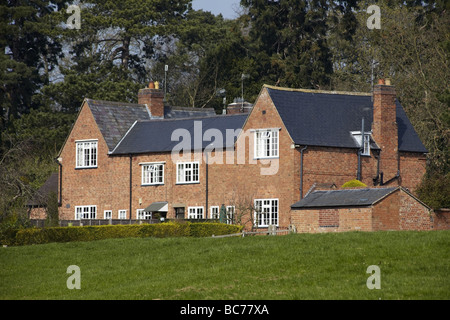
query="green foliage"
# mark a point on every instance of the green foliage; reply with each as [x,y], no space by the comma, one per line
[353,184]
[435,191]
[90,233]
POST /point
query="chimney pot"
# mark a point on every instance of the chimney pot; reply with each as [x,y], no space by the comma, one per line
[153,97]
[381,81]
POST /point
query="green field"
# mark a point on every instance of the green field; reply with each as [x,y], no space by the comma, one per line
[413,265]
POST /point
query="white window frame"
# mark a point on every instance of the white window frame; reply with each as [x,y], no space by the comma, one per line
[81,148]
[230,214]
[366,143]
[266,216]
[183,172]
[152,174]
[267,143]
[105,214]
[85,212]
[143,215]
[214,212]
[194,213]
[122,212]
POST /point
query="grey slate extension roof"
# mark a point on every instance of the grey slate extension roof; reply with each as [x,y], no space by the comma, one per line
[343,198]
[156,135]
[114,119]
[326,119]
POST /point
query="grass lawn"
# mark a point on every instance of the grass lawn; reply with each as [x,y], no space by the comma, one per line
[413,265]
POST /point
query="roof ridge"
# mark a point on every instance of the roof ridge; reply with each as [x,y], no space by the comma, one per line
[116,103]
[318,91]
[217,116]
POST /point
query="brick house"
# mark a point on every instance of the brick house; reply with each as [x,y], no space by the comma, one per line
[131,161]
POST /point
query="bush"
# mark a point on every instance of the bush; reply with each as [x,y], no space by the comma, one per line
[90,233]
[353,184]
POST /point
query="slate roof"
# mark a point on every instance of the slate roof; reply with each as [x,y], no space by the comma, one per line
[114,119]
[343,198]
[156,135]
[326,119]
[185,112]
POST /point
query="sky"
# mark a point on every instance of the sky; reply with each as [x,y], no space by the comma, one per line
[225,7]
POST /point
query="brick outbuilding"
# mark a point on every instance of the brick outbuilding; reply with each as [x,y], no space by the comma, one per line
[368,209]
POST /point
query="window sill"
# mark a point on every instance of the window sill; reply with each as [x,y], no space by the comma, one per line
[181,183]
[152,185]
[266,158]
[84,168]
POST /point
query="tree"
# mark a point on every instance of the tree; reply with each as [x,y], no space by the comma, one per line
[289,40]
[29,49]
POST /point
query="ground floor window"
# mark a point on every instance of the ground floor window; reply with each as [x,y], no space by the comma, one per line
[143,215]
[107,214]
[230,214]
[85,212]
[215,212]
[195,213]
[122,214]
[266,212]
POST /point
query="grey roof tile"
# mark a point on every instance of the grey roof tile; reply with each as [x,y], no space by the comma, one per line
[343,198]
[326,119]
[156,135]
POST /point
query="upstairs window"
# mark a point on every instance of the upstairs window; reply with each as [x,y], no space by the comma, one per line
[86,154]
[366,143]
[188,172]
[153,174]
[266,143]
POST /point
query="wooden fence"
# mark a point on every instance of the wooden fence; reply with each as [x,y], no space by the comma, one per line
[251,233]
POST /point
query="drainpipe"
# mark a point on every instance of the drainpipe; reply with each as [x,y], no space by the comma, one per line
[377,179]
[360,150]
[301,171]
[206,209]
[60,181]
[131,185]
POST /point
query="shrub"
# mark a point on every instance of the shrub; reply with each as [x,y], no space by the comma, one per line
[90,233]
[353,184]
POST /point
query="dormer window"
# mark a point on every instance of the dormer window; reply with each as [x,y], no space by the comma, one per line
[86,154]
[366,143]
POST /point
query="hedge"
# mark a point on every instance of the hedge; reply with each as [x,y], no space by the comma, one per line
[90,233]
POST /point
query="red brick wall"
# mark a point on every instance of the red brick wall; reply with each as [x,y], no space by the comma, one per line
[386,213]
[412,170]
[413,215]
[349,219]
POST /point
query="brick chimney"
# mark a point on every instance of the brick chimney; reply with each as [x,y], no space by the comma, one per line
[385,129]
[153,97]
